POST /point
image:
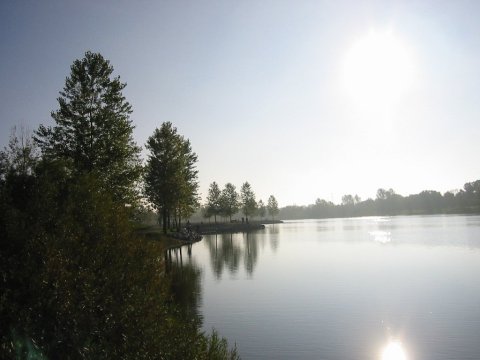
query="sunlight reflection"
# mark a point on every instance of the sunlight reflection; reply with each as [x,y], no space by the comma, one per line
[382,237]
[381,219]
[394,351]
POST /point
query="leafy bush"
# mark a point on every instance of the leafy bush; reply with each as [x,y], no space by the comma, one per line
[76,283]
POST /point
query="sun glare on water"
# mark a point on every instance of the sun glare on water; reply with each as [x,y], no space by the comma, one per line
[394,351]
[378,70]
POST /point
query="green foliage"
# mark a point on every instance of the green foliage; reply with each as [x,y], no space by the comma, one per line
[20,156]
[248,202]
[93,131]
[229,203]
[171,177]
[261,209]
[214,201]
[272,206]
[216,348]
[80,279]
[76,283]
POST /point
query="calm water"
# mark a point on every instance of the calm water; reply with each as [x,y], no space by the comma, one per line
[345,288]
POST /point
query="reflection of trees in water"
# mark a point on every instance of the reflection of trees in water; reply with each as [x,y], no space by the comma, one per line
[251,252]
[185,283]
[224,252]
[227,251]
[273,232]
[231,252]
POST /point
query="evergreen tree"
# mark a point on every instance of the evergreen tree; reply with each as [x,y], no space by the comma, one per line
[93,130]
[171,177]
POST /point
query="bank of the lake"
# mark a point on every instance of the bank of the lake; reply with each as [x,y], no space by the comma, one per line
[189,231]
[209,228]
[170,240]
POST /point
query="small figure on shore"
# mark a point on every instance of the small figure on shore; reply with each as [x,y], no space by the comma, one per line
[243,220]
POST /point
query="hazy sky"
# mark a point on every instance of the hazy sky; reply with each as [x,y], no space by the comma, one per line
[260,87]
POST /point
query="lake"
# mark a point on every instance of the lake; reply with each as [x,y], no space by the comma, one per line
[387,288]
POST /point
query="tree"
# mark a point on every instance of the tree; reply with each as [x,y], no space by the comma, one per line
[272,206]
[170,175]
[472,190]
[213,200]
[261,209]
[20,156]
[382,194]
[18,161]
[67,255]
[205,213]
[248,203]
[347,200]
[93,130]
[187,193]
[229,200]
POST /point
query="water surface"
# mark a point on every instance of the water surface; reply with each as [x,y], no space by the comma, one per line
[344,288]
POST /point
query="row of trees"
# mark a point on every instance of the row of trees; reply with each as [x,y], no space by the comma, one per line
[228,202]
[75,280]
[388,202]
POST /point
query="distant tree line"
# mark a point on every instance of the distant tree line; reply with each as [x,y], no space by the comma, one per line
[387,202]
[227,202]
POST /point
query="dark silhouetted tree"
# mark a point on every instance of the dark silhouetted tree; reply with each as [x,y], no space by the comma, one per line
[93,130]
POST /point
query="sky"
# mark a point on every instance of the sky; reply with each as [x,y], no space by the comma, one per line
[266,90]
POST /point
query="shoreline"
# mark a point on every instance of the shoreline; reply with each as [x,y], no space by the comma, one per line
[231,227]
[174,240]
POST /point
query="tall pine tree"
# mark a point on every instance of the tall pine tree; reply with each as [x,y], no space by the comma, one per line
[93,130]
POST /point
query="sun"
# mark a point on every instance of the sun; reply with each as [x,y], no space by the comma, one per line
[378,70]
